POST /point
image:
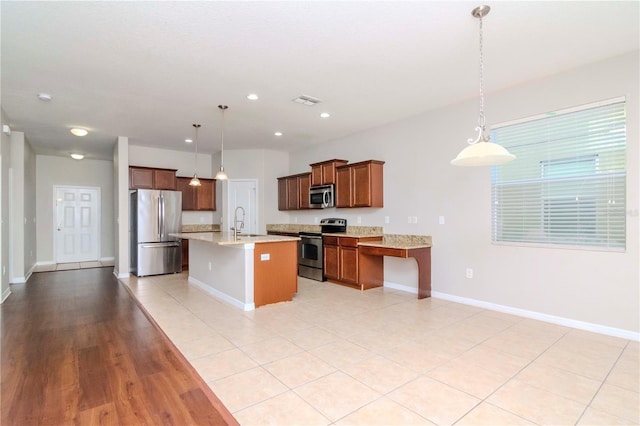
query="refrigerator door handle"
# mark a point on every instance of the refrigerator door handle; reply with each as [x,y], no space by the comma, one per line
[159,217]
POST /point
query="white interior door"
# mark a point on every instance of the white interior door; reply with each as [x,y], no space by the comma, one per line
[77,224]
[243,193]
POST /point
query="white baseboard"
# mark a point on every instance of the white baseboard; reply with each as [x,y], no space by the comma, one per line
[107,259]
[220,295]
[568,322]
[45,263]
[119,275]
[401,287]
[6,293]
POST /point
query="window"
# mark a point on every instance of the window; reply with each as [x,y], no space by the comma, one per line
[567,186]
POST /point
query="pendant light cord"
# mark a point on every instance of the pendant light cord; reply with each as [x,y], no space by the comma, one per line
[195,158]
[481,119]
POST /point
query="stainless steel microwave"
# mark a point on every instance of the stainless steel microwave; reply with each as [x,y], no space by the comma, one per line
[321,197]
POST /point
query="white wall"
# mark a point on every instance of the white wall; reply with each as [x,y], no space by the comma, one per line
[595,287]
[52,171]
[265,166]
[22,209]
[5,164]
[121,206]
[184,162]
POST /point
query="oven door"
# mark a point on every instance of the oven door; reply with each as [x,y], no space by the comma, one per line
[310,251]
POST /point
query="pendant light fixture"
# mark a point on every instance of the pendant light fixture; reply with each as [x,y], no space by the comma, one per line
[194,180]
[481,151]
[221,175]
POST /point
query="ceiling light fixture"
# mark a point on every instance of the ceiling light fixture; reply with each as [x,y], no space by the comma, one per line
[221,175]
[325,115]
[481,151]
[79,132]
[252,97]
[306,100]
[194,180]
[278,133]
[188,140]
[77,156]
[44,97]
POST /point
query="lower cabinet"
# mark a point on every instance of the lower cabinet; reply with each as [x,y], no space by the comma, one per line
[185,254]
[341,264]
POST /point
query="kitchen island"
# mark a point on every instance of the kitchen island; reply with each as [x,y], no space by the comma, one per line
[247,272]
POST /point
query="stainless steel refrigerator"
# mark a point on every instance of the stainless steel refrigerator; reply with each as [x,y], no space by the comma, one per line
[153,216]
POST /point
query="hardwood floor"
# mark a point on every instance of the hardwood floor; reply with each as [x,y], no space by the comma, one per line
[77,349]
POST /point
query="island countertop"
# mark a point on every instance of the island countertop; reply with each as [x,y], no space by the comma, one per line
[226,238]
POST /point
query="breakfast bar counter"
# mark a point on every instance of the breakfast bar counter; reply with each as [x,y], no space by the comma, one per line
[371,258]
[248,271]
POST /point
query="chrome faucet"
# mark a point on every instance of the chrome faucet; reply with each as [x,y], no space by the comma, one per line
[238,224]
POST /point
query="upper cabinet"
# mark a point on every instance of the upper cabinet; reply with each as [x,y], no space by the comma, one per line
[201,197]
[152,178]
[324,173]
[360,184]
[293,192]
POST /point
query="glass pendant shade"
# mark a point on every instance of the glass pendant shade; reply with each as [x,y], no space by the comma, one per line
[194,181]
[483,154]
[221,175]
[481,151]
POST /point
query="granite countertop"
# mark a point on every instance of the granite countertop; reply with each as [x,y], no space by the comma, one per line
[400,241]
[226,238]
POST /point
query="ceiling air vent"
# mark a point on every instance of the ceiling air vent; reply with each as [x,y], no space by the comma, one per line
[306,100]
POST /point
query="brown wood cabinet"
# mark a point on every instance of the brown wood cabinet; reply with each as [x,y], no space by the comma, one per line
[201,197]
[152,178]
[324,173]
[293,192]
[360,184]
[341,264]
[185,254]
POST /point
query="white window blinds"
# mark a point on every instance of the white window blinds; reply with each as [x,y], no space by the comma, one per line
[567,184]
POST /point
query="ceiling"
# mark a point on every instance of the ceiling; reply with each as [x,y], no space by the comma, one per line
[148,70]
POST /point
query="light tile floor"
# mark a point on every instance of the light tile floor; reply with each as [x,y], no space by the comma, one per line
[72,265]
[335,355]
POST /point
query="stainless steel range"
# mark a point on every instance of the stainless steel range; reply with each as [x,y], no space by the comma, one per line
[311,250]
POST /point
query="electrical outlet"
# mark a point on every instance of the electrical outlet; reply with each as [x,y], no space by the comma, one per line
[359,220]
[386,219]
[414,219]
[469,273]
[408,219]
[265,256]
[315,219]
[201,219]
[441,220]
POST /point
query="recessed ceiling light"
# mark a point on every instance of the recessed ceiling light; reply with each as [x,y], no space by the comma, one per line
[252,97]
[77,156]
[188,140]
[325,115]
[44,97]
[79,132]
[278,133]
